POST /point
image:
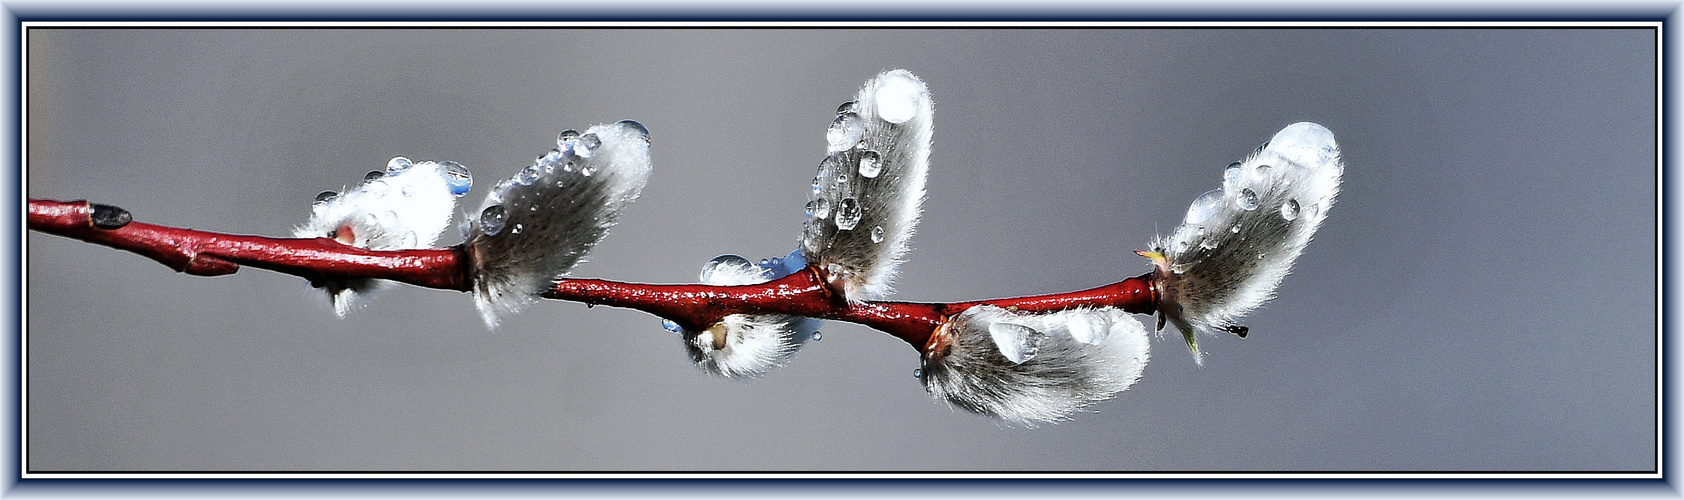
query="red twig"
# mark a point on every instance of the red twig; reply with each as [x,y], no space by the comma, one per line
[805,293]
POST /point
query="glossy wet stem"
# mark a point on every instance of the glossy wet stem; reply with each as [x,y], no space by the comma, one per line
[805,293]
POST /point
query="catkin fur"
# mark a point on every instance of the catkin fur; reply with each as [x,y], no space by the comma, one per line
[553,212]
[885,196]
[400,210]
[1238,242]
[1063,377]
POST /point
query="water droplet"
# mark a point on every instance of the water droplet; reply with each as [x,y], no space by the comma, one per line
[456,177]
[1208,243]
[1310,210]
[1234,165]
[325,196]
[1247,199]
[587,145]
[533,208]
[517,229]
[727,260]
[670,326]
[846,107]
[844,132]
[1260,256]
[870,164]
[1088,328]
[1289,210]
[1262,170]
[848,214]
[1017,342]
[372,175]
[820,208]
[1231,178]
[1235,229]
[560,184]
[877,234]
[398,164]
[898,96]
[528,175]
[1204,206]
[917,373]
[636,128]
[817,336]
[566,135]
[491,220]
[567,167]
[586,170]
[816,186]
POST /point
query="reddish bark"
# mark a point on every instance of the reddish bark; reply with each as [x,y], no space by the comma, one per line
[805,293]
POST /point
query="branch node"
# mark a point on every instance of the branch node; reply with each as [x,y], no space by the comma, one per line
[109,217]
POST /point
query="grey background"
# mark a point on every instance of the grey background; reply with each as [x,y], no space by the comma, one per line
[1481,298]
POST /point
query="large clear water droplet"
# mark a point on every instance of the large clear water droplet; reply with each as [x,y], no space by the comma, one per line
[844,132]
[492,219]
[372,175]
[636,128]
[1231,178]
[1289,210]
[528,175]
[1088,328]
[898,96]
[1310,210]
[670,326]
[398,164]
[1204,207]
[1017,342]
[1247,199]
[566,135]
[848,214]
[877,234]
[870,164]
[725,262]
[325,196]
[456,177]
[846,107]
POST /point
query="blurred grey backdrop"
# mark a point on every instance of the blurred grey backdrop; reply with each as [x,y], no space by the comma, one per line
[1481,298]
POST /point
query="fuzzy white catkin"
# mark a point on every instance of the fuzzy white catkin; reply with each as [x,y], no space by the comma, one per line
[534,227]
[869,190]
[1062,363]
[1238,242]
[742,346]
[405,208]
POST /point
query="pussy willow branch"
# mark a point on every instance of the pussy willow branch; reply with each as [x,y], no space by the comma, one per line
[808,292]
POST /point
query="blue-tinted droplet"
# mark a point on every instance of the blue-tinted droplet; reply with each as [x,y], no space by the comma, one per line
[492,219]
[1247,199]
[528,175]
[917,373]
[817,336]
[456,177]
[670,326]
